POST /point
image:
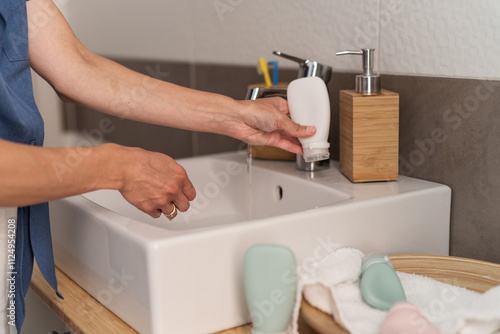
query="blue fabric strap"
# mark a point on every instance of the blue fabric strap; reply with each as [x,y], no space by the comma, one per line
[33,239]
[41,243]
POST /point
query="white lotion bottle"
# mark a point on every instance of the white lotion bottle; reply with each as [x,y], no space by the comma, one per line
[309,104]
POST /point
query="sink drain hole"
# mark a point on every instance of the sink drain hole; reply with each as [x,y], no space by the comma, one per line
[278,193]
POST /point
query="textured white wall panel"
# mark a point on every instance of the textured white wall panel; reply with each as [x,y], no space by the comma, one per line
[455,38]
[313,29]
[151,29]
[223,31]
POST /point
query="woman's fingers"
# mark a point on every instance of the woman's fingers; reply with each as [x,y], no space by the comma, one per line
[189,190]
[181,202]
[296,130]
[172,212]
[265,122]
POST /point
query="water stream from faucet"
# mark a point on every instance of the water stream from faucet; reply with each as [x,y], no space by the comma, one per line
[249,182]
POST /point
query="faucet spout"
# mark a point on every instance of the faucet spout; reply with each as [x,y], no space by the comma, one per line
[257,92]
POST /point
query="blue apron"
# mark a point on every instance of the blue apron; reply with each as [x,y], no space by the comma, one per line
[21,122]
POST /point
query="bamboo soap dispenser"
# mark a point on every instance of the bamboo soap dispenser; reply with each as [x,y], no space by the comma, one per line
[369,127]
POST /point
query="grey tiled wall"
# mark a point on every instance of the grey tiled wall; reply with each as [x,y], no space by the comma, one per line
[449,133]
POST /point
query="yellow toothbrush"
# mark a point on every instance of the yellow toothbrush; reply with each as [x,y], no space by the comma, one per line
[265,71]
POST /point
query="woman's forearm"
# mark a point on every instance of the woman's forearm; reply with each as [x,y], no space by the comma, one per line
[81,76]
[31,175]
[116,90]
[153,182]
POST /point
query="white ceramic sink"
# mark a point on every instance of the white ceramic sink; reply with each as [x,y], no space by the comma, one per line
[226,194]
[185,276]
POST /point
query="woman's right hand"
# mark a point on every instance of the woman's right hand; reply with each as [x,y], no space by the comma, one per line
[154,182]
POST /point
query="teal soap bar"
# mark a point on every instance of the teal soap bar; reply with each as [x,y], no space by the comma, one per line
[270,284]
[380,285]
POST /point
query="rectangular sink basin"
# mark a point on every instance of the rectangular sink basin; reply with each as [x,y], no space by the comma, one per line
[226,195]
[185,276]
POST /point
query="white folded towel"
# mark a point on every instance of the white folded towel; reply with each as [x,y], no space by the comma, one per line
[332,285]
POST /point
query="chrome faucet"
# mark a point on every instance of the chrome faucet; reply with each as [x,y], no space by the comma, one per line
[307,68]
[255,93]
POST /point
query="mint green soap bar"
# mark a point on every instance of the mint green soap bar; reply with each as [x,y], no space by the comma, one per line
[380,285]
[270,284]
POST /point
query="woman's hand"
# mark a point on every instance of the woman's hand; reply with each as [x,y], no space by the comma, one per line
[265,122]
[154,183]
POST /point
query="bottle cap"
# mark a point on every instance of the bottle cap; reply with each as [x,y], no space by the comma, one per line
[374,259]
[256,331]
[316,151]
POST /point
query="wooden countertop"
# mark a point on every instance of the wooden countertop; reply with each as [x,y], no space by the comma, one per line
[83,314]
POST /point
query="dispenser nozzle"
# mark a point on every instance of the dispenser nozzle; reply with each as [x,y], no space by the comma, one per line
[367,83]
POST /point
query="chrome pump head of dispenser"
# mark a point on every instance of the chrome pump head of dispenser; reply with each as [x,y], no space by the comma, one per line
[367,83]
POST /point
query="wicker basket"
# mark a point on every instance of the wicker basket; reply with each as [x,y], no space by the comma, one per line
[474,275]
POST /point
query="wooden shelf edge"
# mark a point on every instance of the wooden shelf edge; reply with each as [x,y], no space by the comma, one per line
[83,314]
